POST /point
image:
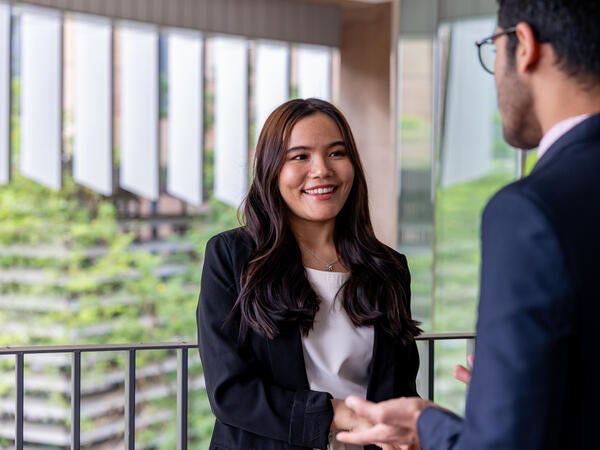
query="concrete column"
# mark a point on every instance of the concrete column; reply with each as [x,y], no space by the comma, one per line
[366,95]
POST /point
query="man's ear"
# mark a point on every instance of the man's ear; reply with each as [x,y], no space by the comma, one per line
[527,52]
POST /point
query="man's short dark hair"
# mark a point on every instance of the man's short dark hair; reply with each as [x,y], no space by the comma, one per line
[572,27]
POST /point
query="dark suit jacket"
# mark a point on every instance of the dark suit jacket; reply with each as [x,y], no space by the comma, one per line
[535,382]
[258,388]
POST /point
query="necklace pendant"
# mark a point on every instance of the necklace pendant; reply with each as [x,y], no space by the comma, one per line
[330,267]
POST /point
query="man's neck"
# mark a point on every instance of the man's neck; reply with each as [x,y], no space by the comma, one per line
[560,98]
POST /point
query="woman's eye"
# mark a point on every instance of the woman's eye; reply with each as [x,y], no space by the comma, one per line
[298,157]
[338,153]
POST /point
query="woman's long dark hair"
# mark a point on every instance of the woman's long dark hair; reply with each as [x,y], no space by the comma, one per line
[274,288]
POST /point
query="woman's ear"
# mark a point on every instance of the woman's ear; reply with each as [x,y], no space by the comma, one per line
[527,52]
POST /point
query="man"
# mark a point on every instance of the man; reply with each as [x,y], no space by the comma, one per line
[535,383]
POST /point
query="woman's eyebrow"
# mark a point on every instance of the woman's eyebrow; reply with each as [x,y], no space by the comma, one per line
[304,147]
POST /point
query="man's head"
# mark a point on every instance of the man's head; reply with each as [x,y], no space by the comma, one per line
[571,27]
[551,37]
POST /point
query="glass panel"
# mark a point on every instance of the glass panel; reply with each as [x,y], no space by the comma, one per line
[92,103]
[5,42]
[415,226]
[139,109]
[41,102]
[447,104]
[184,167]
[231,119]
[474,163]
[466,152]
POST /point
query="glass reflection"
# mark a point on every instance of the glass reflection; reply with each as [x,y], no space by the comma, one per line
[452,160]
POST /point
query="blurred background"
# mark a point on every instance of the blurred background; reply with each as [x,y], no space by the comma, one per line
[127,129]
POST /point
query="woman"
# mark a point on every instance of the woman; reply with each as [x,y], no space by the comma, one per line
[302,306]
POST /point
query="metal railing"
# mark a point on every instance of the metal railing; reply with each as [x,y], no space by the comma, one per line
[427,352]
[182,349]
[426,377]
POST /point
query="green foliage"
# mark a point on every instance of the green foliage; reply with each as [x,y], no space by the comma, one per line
[209,171]
[530,161]
[163,82]
[109,292]
[414,128]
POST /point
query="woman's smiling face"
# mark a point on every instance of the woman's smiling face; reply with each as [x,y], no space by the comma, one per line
[317,175]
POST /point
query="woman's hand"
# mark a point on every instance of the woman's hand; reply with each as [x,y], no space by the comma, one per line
[393,422]
[345,419]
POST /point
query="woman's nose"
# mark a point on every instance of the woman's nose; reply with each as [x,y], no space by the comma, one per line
[320,166]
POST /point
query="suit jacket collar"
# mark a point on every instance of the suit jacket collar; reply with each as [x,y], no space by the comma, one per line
[587,130]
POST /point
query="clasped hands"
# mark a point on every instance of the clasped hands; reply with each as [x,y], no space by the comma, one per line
[391,424]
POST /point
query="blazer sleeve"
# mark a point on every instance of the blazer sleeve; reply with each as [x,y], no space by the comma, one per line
[525,320]
[238,390]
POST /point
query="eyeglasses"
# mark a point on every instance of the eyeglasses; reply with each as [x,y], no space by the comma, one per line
[487,49]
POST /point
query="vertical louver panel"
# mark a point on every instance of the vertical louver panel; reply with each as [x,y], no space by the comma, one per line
[138,65]
[185,119]
[41,96]
[231,119]
[314,72]
[271,80]
[4,92]
[92,105]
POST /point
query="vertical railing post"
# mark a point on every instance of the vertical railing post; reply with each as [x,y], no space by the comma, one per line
[470,346]
[19,396]
[425,374]
[430,368]
[182,398]
[76,401]
[130,400]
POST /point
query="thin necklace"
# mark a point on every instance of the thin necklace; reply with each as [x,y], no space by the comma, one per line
[328,266]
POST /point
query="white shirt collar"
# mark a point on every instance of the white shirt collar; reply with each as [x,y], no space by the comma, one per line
[557,131]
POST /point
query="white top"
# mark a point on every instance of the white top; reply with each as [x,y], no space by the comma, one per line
[557,131]
[336,353]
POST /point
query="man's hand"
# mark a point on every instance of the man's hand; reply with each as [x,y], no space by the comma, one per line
[393,422]
[461,373]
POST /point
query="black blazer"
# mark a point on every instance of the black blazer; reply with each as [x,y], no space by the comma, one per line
[258,389]
[535,379]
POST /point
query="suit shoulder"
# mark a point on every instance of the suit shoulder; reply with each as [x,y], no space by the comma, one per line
[233,239]
[522,191]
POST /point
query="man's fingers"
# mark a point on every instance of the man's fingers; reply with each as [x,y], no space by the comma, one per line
[362,437]
[463,374]
[362,407]
[350,437]
[381,434]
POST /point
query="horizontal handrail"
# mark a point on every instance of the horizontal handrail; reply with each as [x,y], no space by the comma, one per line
[445,336]
[28,349]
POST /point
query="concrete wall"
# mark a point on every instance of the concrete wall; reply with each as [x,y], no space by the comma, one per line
[285,20]
[366,95]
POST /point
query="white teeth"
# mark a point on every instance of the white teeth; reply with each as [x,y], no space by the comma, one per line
[320,191]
